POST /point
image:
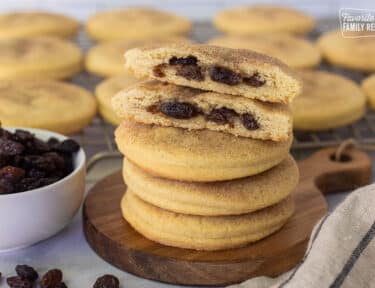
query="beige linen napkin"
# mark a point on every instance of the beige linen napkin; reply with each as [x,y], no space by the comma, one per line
[341,251]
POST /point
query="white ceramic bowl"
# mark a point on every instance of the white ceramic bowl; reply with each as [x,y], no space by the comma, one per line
[31,216]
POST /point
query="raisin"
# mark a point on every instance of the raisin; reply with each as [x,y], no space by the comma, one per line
[107,281]
[27,272]
[5,134]
[190,72]
[158,70]
[68,146]
[179,110]
[10,148]
[249,121]
[153,109]
[224,75]
[22,136]
[189,60]
[11,174]
[53,142]
[254,80]
[222,115]
[18,282]
[6,187]
[51,278]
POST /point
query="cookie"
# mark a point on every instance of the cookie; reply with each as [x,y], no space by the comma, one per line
[368,88]
[219,69]
[154,102]
[203,232]
[107,89]
[135,23]
[45,104]
[327,101]
[39,58]
[292,50]
[260,19]
[197,155]
[233,197]
[107,59]
[31,24]
[351,53]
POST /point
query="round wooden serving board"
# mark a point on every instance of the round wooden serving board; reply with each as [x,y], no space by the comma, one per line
[117,242]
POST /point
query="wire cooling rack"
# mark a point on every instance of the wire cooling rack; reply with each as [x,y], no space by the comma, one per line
[98,138]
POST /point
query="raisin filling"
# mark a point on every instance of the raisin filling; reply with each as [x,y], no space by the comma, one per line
[249,121]
[222,115]
[188,68]
[224,75]
[185,110]
[179,110]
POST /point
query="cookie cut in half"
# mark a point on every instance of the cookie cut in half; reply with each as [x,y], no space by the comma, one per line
[219,69]
[233,197]
[197,155]
[154,102]
[203,232]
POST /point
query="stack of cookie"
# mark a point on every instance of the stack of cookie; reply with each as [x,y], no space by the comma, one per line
[207,150]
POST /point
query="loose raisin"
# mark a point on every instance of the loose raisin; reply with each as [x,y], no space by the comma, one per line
[179,110]
[107,281]
[67,146]
[222,115]
[254,80]
[27,272]
[189,60]
[18,282]
[11,174]
[10,148]
[249,121]
[224,75]
[190,72]
[51,278]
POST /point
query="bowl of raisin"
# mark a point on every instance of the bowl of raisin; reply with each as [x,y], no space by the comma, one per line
[42,183]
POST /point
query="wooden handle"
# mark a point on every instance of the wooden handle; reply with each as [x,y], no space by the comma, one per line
[328,175]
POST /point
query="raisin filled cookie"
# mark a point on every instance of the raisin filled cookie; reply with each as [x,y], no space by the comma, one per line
[154,102]
[224,70]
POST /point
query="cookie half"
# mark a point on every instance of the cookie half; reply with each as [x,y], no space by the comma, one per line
[31,24]
[368,87]
[135,23]
[105,90]
[39,58]
[197,155]
[219,69]
[233,197]
[292,50]
[357,53]
[45,104]
[154,102]
[327,101]
[203,232]
[107,59]
[260,19]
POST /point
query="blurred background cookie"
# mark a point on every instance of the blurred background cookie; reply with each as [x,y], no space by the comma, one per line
[30,24]
[105,90]
[259,19]
[39,58]
[353,53]
[327,101]
[135,23]
[107,59]
[45,104]
[368,87]
[292,50]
